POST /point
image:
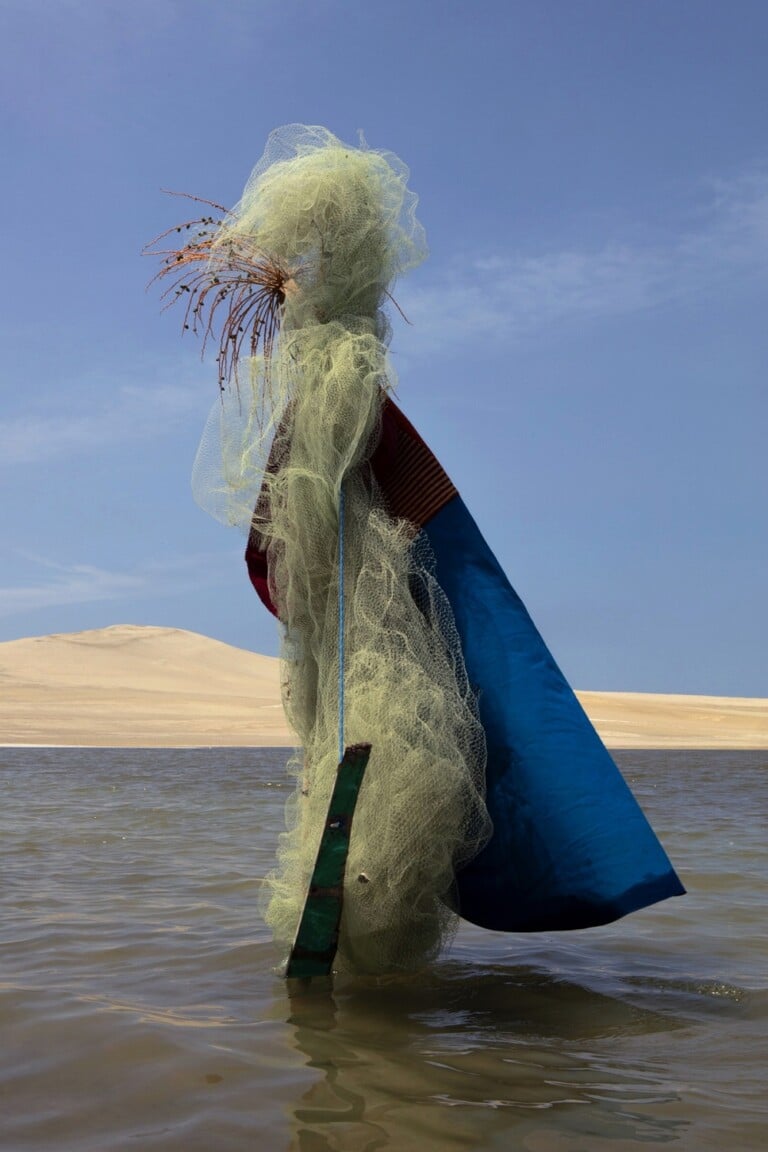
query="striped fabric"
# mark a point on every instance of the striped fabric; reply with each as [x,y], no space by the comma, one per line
[410,476]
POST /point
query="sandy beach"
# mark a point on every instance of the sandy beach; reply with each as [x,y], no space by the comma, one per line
[135,686]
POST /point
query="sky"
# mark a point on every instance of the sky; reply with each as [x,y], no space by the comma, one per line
[587,347]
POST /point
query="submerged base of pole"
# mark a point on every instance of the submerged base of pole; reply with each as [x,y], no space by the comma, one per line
[317,937]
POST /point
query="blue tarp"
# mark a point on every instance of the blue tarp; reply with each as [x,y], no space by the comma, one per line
[571,847]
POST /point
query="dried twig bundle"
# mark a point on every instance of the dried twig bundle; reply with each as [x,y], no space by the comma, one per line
[220,268]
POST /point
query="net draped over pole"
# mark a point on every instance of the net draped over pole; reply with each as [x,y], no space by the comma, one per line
[291,437]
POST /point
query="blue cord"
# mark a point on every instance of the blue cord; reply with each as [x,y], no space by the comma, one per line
[341,622]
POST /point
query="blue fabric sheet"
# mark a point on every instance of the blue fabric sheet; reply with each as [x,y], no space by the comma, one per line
[571,848]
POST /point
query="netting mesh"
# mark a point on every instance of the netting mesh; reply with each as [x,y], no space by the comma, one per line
[277,449]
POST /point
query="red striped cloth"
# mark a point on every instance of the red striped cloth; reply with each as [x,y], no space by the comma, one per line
[410,478]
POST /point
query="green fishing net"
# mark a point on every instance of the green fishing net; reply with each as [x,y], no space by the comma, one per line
[286,435]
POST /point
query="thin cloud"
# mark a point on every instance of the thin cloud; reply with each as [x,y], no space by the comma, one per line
[500,298]
[137,413]
[87,584]
[78,584]
[507,296]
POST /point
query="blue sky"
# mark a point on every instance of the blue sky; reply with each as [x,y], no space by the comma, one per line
[588,348]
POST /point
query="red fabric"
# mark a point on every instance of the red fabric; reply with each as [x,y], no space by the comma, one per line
[416,489]
[259,574]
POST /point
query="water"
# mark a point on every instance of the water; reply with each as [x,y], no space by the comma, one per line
[140,1008]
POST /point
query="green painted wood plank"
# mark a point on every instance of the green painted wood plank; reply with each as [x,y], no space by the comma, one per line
[318,934]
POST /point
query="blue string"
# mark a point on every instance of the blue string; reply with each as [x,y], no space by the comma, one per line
[341,623]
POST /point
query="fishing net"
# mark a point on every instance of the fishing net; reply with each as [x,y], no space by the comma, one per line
[283,440]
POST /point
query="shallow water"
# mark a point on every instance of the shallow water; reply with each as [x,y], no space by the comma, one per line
[140,1006]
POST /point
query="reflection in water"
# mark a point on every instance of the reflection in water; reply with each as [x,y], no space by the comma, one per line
[330,1109]
[457,1058]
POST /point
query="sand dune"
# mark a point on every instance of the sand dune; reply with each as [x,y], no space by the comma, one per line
[650,720]
[130,686]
